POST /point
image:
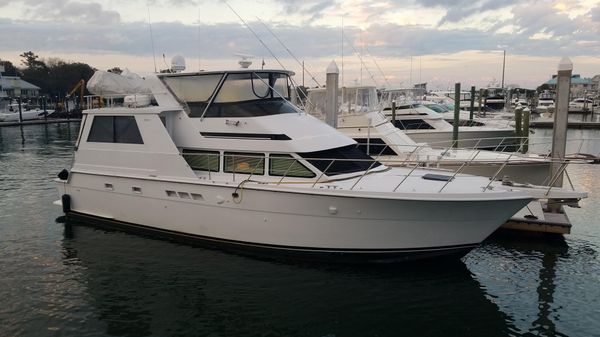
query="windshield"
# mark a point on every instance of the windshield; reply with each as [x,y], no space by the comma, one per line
[248,94]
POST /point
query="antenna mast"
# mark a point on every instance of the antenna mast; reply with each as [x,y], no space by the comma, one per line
[255,35]
[151,37]
[342,51]
[503,67]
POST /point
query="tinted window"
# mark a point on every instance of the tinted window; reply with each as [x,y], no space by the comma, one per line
[346,159]
[412,124]
[374,147]
[115,129]
[202,160]
[247,95]
[250,163]
[286,165]
[255,108]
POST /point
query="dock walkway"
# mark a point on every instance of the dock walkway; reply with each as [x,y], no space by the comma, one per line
[42,121]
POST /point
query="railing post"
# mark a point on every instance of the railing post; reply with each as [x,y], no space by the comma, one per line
[409,173]
[286,171]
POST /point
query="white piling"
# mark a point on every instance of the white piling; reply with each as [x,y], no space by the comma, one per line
[331,100]
[559,135]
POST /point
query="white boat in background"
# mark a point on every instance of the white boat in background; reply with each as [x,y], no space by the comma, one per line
[495,99]
[582,105]
[377,137]
[226,160]
[545,106]
[11,113]
[424,125]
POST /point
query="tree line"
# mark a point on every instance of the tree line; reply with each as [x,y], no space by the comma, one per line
[54,76]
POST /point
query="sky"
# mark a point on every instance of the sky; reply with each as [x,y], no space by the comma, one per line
[389,43]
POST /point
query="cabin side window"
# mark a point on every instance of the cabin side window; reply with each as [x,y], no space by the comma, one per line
[248,163]
[202,160]
[286,165]
[115,129]
[340,160]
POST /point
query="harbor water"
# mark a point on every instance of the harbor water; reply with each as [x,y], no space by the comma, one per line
[61,278]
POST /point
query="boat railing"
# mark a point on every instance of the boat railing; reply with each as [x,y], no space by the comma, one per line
[411,164]
[108,101]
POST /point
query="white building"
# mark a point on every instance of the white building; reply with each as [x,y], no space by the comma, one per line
[8,84]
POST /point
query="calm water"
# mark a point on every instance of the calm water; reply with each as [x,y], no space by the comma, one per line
[60,279]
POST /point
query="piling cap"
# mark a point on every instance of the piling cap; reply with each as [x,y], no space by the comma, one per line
[332,68]
[565,64]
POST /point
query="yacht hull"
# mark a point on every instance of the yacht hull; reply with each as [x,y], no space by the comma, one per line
[525,172]
[25,115]
[485,139]
[309,224]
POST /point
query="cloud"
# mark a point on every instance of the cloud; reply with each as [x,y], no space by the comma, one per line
[65,10]
[217,40]
[595,14]
[457,10]
[546,20]
[311,9]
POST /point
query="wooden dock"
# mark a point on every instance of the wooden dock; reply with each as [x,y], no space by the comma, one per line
[42,121]
[570,125]
[535,218]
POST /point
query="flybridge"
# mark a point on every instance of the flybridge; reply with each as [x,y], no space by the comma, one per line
[238,93]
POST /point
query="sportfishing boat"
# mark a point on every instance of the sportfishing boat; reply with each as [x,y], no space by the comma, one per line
[11,113]
[377,136]
[223,158]
[424,125]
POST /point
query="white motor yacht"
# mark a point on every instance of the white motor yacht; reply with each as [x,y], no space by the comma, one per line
[377,137]
[11,113]
[424,125]
[224,159]
[582,105]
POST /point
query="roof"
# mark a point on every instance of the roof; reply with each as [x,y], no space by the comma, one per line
[575,79]
[236,71]
[11,82]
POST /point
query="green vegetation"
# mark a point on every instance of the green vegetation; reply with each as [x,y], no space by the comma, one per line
[54,76]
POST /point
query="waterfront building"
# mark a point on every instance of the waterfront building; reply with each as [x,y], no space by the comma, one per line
[580,86]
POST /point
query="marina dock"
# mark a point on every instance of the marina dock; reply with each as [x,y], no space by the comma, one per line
[42,121]
[570,125]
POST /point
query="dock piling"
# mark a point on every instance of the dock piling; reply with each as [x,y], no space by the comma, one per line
[472,103]
[45,108]
[559,135]
[20,110]
[394,113]
[525,130]
[480,101]
[331,103]
[518,123]
[456,114]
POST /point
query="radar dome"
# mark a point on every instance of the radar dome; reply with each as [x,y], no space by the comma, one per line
[177,64]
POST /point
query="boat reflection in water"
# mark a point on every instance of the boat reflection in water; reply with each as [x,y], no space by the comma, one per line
[138,286]
[519,274]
